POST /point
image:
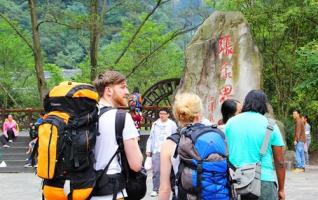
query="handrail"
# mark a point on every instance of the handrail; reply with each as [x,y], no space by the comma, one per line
[24,116]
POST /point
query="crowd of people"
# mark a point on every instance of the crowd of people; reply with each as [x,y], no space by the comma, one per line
[246,130]
[212,154]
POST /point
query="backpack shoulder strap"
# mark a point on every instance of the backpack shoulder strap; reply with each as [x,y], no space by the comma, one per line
[119,127]
[175,138]
[196,130]
[104,110]
[269,130]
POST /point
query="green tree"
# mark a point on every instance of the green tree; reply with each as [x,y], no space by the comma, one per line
[280,29]
[17,78]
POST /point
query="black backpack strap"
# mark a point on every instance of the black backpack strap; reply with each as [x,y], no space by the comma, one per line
[175,177]
[104,110]
[119,127]
[119,124]
[101,112]
[111,159]
[175,138]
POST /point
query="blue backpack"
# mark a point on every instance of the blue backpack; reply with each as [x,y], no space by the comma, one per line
[203,170]
[136,97]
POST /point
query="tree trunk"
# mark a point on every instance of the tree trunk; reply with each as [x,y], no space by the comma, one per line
[94,38]
[37,51]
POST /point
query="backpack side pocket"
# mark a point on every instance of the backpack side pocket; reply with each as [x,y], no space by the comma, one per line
[47,150]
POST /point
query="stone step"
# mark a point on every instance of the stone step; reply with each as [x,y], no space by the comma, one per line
[13,156]
[9,150]
[15,163]
[18,144]
[25,139]
[17,169]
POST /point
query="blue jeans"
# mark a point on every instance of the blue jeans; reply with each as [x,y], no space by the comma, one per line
[300,155]
[156,171]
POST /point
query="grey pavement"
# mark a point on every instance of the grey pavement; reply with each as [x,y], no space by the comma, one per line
[27,186]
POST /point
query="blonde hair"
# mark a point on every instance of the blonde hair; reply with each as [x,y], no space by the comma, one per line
[187,107]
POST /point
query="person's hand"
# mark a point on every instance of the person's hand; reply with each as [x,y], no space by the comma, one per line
[295,142]
[281,195]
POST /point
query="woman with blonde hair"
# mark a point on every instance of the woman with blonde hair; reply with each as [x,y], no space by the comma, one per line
[187,110]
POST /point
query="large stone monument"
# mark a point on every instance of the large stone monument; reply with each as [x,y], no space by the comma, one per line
[222,62]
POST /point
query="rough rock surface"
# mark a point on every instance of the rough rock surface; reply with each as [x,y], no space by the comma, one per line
[222,62]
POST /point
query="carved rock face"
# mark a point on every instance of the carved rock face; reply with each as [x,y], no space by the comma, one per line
[222,62]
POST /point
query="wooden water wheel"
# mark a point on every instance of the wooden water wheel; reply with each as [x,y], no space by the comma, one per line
[161,95]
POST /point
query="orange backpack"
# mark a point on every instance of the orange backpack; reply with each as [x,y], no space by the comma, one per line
[66,139]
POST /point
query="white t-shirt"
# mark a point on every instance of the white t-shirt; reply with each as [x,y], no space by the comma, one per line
[106,144]
[158,134]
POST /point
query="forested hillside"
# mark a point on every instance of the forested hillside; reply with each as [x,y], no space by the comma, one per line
[146,39]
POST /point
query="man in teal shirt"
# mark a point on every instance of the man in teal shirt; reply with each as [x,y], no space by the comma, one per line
[245,134]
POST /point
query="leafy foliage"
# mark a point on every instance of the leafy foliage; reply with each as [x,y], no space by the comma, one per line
[286,33]
[16,70]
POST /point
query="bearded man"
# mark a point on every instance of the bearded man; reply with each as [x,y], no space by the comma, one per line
[113,92]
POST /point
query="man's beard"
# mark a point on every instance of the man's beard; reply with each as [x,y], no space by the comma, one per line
[119,101]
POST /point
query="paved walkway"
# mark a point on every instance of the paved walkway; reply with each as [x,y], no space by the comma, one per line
[27,186]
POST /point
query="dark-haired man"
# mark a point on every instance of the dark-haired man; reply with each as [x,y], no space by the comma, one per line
[112,89]
[245,134]
[160,130]
[299,142]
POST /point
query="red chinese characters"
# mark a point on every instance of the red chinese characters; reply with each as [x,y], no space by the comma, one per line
[226,92]
[226,71]
[225,46]
[211,107]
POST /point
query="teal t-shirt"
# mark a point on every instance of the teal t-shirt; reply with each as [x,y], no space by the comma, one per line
[245,134]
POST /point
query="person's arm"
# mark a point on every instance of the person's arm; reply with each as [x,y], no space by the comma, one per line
[16,128]
[131,147]
[5,130]
[280,170]
[133,154]
[297,131]
[165,169]
[149,141]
